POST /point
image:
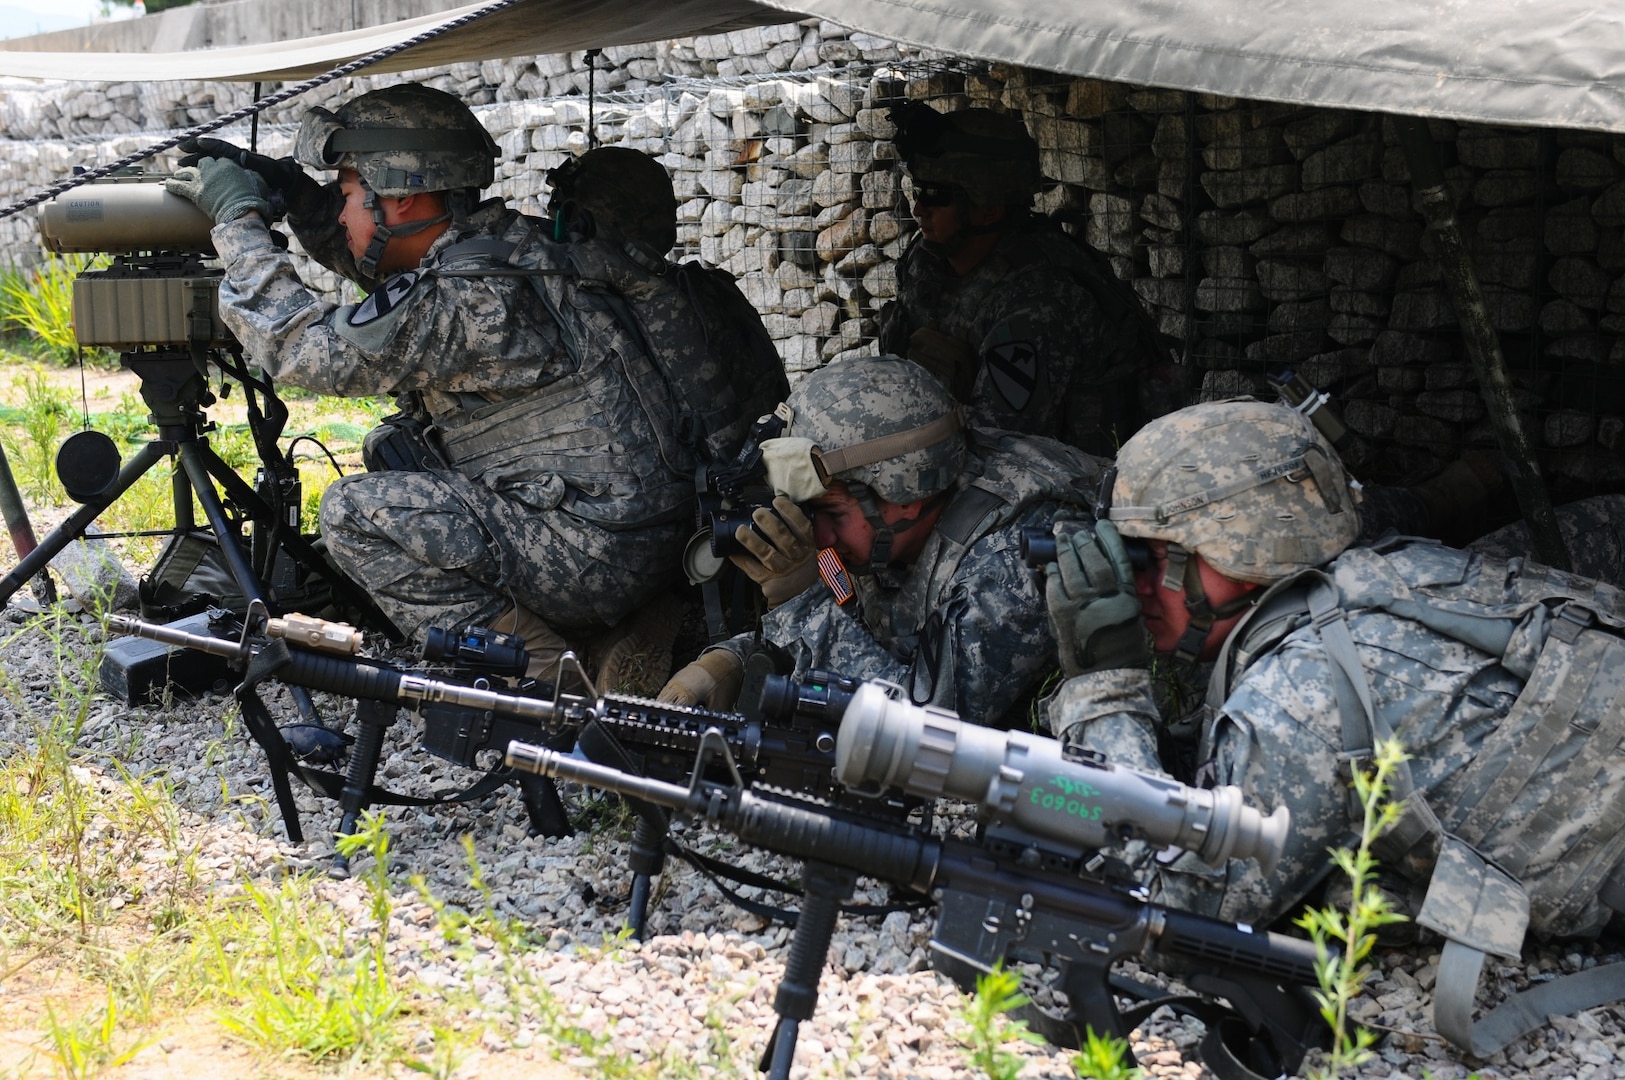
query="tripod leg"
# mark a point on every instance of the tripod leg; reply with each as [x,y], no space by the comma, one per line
[22,531]
[74,527]
[825,889]
[231,548]
[244,495]
[372,717]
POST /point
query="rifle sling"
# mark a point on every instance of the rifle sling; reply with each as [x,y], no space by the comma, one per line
[1520,1013]
[719,872]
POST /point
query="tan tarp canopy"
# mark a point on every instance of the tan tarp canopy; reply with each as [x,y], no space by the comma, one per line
[1549,63]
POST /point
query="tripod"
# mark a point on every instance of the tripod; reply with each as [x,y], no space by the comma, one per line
[176,391]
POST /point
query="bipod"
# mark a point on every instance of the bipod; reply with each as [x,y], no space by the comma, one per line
[648,855]
[824,889]
[538,795]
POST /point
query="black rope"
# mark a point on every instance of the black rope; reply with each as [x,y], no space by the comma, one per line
[257,107]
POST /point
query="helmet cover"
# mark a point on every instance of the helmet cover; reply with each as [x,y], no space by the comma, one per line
[403,140]
[857,401]
[989,155]
[627,192]
[1253,488]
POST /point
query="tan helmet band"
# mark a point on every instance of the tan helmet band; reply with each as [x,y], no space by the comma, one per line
[834,462]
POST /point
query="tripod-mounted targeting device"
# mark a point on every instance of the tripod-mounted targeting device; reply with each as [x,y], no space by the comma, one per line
[158,306]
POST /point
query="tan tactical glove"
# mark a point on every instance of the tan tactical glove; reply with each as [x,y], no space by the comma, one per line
[712,680]
[781,556]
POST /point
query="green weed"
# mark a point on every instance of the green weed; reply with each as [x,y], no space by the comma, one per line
[288,982]
[39,303]
[44,415]
[87,1045]
[998,992]
[1102,1058]
[1344,940]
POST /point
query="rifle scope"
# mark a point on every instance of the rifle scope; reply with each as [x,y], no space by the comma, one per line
[1043,788]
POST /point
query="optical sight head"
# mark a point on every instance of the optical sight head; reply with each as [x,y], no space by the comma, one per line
[1036,785]
[124,215]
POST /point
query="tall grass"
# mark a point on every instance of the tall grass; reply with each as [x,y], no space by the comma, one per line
[39,304]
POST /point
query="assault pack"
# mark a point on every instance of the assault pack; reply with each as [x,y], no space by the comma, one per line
[1536,839]
[711,367]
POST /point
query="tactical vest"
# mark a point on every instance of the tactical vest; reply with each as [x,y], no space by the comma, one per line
[1492,872]
[1009,474]
[589,441]
[696,352]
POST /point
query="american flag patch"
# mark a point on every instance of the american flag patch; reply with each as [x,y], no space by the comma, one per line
[834,574]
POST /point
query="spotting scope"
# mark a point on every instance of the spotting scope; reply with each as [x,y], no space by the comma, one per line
[159,291]
[1041,787]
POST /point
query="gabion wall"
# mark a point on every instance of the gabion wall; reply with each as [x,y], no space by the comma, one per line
[1262,237]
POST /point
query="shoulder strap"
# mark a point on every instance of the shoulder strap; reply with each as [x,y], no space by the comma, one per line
[1489,920]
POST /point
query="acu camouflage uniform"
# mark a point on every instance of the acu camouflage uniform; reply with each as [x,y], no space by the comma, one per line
[1048,361]
[1045,340]
[964,626]
[553,493]
[1593,528]
[1503,680]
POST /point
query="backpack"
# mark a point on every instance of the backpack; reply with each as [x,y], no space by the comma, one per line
[1565,637]
[713,369]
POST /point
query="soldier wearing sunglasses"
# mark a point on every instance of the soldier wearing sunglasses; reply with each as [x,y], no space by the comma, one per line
[1027,327]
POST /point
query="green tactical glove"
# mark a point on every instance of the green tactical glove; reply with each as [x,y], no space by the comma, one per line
[300,196]
[221,189]
[1094,610]
[780,556]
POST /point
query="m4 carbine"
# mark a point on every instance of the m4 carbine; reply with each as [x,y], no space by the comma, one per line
[792,750]
[1027,889]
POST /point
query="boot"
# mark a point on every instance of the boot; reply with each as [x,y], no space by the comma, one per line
[542,642]
[635,655]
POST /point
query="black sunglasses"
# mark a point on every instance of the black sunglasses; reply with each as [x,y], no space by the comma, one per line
[936,194]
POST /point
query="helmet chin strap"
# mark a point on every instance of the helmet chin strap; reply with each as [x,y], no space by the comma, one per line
[1184,573]
[886,533]
[382,234]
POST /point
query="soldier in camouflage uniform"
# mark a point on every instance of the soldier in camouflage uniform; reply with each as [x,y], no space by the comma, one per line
[1593,529]
[1502,680]
[540,504]
[928,521]
[1029,328]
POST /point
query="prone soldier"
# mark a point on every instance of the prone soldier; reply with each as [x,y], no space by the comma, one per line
[916,521]
[1501,679]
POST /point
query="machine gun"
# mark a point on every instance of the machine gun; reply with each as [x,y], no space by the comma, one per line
[789,747]
[1030,888]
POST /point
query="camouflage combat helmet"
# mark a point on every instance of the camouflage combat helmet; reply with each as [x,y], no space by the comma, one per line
[626,192]
[988,155]
[402,140]
[882,422]
[1252,487]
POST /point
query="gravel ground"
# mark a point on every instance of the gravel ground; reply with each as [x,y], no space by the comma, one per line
[701,987]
